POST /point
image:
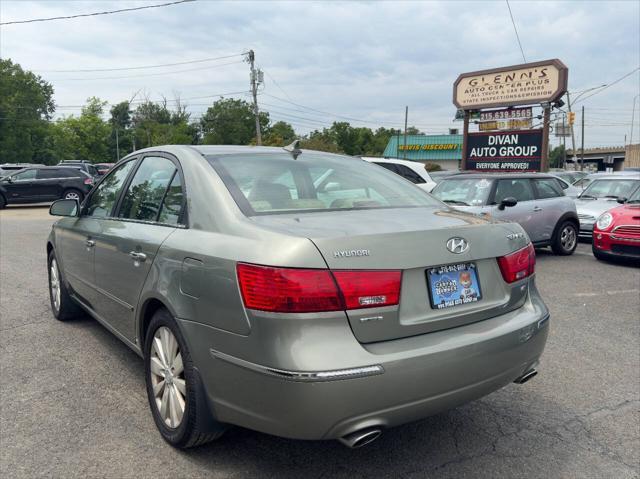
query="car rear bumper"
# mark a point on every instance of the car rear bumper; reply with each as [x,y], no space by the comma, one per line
[392,383]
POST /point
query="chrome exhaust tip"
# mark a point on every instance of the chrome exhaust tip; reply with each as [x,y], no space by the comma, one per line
[360,438]
[526,376]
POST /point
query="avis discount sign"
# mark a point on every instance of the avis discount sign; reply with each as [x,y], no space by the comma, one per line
[505,151]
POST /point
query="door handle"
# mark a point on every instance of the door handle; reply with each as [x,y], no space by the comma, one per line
[139,257]
[90,243]
[537,208]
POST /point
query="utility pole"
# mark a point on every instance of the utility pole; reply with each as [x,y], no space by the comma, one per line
[582,140]
[564,142]
[117,145]
[573,136]
[406,117]
[633,114]
[256,78]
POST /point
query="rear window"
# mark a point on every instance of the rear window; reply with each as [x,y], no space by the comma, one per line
[276,183]
[463,191]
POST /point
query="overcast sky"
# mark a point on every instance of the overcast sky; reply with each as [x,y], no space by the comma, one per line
[362,60]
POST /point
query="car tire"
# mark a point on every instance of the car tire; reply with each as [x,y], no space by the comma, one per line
[565,240]
[73,194]
[169,384]
[62,305]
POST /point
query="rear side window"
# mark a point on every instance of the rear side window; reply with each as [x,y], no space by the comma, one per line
[548,188]
[106,193]
[410,175]
[71,173]
[145,194]
[171,209]
[48,174]
[518,188]
[389,166]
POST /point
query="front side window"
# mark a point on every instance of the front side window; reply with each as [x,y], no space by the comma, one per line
[45,174]
[106,193]
[24,175]
[463,191]
[518,188]
[145,194]
[547,188]
[277,183]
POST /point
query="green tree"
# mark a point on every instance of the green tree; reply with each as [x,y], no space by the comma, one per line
[231,122]
[556,157]
[80,138]
[154,124]
[280,133]
[121,138]
[26,105]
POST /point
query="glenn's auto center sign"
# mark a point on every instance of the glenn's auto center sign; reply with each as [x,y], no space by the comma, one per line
[505,151]
[525,84]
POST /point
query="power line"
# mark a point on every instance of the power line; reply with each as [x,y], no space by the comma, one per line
[148,74]
[516,30]
[610,84]
[69,17]
[201,60]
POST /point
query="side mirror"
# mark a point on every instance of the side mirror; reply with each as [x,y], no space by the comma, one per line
[64,208]
[622,200]
[9,179]
[508,201]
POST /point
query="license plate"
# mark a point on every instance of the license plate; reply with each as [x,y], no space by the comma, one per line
[453,285]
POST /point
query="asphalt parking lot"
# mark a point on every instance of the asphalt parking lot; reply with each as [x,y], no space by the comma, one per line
[73,403]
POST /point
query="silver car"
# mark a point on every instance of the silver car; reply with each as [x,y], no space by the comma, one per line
[536,201]
[601,195]
[297,293]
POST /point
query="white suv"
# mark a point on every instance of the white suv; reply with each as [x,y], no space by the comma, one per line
[413,171]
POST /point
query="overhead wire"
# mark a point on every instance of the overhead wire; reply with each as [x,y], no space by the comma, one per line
[109,12]
[516,30]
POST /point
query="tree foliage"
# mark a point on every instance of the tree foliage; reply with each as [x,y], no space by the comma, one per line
[26,105]
[231,122]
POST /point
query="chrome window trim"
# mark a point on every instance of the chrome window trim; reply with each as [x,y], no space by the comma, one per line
[302,376]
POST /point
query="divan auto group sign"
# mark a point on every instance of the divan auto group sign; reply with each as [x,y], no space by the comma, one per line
[508,151]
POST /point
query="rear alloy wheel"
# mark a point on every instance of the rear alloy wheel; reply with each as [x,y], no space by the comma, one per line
[566,239]
[63,306]
[174,390]
[73,195]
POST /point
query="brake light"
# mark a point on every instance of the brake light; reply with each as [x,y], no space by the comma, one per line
[292,290]
[88,181]
[369,289]
[519,264]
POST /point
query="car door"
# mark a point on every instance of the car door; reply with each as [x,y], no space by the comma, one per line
[549,206]
[524,211]
[47,183]
[20,186]
[127,243]
[76,237]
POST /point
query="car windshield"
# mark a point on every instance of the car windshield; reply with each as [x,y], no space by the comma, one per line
[635,197]
[276,183]
[610,188]
[463,191]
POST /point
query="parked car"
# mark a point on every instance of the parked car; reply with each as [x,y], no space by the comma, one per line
[586,180]
[616,232]
[44,183]
[438,176]
[569,190]
[600,196]
[103,168]
[413,171]
[260,297]
[568,175]
[81,165]
[536,201]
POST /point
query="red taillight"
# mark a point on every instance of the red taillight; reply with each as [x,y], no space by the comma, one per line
[290,290]
[369,289]
[519,264]
[88,181]
[287,290]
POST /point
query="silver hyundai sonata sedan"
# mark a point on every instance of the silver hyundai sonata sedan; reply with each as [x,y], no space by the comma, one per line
[297,293]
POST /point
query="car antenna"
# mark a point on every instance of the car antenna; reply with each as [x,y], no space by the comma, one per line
[293,149]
